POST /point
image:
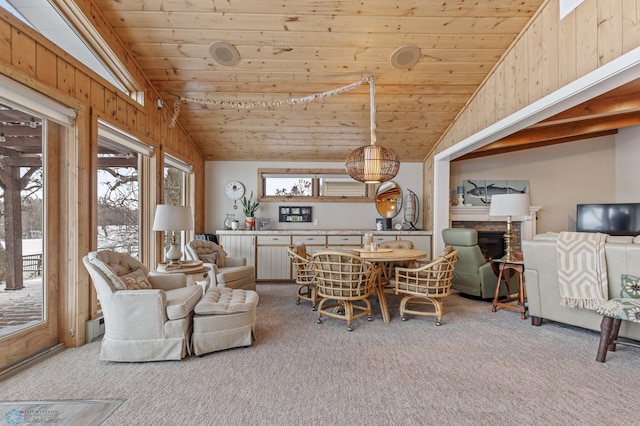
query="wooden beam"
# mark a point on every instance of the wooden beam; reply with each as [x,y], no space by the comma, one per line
[533,144]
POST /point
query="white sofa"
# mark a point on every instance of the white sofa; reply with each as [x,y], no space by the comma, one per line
[541,279]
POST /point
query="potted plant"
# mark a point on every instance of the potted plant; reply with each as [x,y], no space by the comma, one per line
[249,207]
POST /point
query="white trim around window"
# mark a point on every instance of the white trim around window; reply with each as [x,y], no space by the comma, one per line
[115,135]
[176,163]
[31,101]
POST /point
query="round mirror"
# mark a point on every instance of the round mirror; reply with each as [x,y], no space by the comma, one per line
[388,199]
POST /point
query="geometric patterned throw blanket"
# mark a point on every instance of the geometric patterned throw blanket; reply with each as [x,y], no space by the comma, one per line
[582,269]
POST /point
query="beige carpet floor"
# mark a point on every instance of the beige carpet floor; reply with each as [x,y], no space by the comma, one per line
[478,368]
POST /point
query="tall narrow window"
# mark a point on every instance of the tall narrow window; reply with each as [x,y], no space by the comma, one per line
[119,190]
[176,179]
[22,220]
[33,132]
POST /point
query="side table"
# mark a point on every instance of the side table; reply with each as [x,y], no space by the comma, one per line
[516,266]
[196,273]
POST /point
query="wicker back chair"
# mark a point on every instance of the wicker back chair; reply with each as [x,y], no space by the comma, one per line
[388,267]
[344,282]
[303,274]
[425,284]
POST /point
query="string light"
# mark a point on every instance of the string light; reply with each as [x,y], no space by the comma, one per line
[369,164]
[262,104]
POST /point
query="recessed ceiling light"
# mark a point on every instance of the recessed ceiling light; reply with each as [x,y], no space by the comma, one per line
[224,53]
[404,57]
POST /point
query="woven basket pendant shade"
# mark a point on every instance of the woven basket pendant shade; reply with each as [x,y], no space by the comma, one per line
[373,163]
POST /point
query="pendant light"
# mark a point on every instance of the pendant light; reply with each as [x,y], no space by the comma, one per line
[372,163]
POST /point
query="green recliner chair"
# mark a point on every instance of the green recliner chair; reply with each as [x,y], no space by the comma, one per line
[473,274]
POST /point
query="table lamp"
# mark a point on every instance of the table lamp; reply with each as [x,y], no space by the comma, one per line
[509,205]
[172,219]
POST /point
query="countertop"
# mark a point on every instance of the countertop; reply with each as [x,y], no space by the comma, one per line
[321,232]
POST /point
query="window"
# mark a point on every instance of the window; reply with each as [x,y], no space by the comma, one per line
[78,39]
[119,189]
[311,185]
[22,191]
[176,180]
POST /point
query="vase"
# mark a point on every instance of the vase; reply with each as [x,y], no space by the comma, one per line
[250,223]
[228,221]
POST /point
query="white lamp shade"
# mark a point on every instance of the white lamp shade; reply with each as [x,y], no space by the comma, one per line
[173,218]
[509,205]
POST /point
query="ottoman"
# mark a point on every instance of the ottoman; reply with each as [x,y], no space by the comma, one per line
[224,318]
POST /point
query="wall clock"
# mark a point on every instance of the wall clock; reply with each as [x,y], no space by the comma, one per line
[234,191]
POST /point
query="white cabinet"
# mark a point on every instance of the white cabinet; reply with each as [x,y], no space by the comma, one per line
[344,241]
[310,240]
[421,242]
[273,261]
[267,251]
[382,238]
[240,246]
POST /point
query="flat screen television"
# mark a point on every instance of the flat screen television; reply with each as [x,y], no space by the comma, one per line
[612,219]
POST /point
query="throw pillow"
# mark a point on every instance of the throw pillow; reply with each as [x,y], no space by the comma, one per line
[630,287]
[136,280]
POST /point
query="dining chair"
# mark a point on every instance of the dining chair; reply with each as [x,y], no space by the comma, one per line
[304,275]
[388,267]
[425,284]
[344,283]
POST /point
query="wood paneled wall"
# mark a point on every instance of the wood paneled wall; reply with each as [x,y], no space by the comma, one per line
[29,58]
[549,54]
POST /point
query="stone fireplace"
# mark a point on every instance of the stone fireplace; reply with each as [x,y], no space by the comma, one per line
[491,230]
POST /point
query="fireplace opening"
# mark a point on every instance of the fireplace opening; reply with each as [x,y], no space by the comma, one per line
[491,244]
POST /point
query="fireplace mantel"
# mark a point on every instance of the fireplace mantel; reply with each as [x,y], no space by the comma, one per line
[481,214]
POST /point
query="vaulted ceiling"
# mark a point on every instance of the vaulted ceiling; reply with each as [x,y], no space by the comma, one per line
[296,48]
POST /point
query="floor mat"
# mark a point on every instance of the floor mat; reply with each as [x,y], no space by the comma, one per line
[66,412]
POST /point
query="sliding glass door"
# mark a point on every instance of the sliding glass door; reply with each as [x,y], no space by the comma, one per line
[27,317]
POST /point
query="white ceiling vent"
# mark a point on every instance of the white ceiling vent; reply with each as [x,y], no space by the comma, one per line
[404,57]
[224,53]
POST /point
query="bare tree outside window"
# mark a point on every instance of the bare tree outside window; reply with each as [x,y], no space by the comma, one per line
[118,203]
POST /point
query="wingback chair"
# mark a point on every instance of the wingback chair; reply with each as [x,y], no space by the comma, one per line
[146,317]
[228,271]
[473,274]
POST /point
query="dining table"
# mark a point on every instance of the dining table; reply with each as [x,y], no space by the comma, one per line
[382,256]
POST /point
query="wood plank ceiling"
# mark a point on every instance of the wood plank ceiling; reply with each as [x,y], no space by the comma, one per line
[296,48]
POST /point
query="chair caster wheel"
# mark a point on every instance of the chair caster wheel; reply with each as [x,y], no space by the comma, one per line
[403,318]
[297,302]
[438,322]
[349,328]
[319,321]
[369,318]
[313,308]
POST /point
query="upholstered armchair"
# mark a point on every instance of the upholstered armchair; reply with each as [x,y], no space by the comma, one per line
[146,318]
[473,274]
[228,271]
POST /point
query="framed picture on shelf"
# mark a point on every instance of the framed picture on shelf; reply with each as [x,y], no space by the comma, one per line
[291,214]
[263,224]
